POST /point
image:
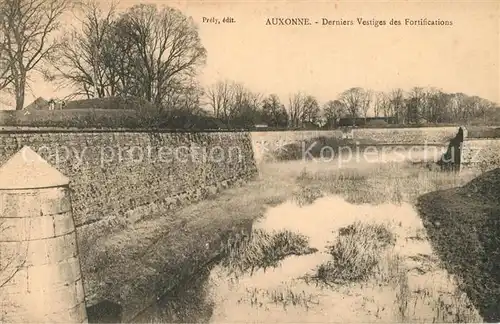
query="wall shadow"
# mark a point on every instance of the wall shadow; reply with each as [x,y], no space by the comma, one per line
[105,312]
[190,302]
[463,225]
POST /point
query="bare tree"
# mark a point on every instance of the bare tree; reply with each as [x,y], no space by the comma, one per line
[220,98]
[234,103]
[333,110]
[396,102]
[28,28]
[438,106]
[85,60]
[296,109]
[148,52]
[381,104]
[184,96]
[414,105]
[482,106]
[168,45]
[5,59]
[366,100]
[245,108]
[311,113]
[303,109]
[274,112]
[458,107]
[353,99]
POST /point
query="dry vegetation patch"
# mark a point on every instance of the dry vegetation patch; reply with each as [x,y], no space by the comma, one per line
[356,253]
[246,252]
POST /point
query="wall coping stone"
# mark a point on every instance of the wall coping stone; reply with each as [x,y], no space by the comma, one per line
[26,129]
[20,130]
[28,170]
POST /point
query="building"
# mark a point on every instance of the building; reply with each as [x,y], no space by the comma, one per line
[38,104]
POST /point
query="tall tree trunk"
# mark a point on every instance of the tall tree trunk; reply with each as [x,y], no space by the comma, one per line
[20,88]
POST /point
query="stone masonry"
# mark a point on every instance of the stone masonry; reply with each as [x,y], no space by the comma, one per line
[41,280]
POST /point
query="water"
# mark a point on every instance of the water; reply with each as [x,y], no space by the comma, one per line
[320,222]
[281,295]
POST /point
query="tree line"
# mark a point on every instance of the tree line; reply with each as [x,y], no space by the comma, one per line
[233,103]
[155,53]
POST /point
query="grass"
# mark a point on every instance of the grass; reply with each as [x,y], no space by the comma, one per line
[284,296]
[363,252]
[463,227]
[247,252]
[306,195]
[388,183]
[81,118]
[442,307]
[356,253]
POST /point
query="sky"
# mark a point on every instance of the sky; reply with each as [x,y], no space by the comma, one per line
[324,60]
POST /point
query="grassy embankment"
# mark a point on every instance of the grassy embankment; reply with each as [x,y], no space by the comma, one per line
[464,226]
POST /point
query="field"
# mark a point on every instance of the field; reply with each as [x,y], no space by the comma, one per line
[327,244]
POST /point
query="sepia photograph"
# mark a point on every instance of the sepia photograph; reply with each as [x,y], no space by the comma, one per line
[228,161]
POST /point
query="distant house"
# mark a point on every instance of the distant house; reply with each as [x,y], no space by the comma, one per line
[42,104]
[361,121]
[38,104]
